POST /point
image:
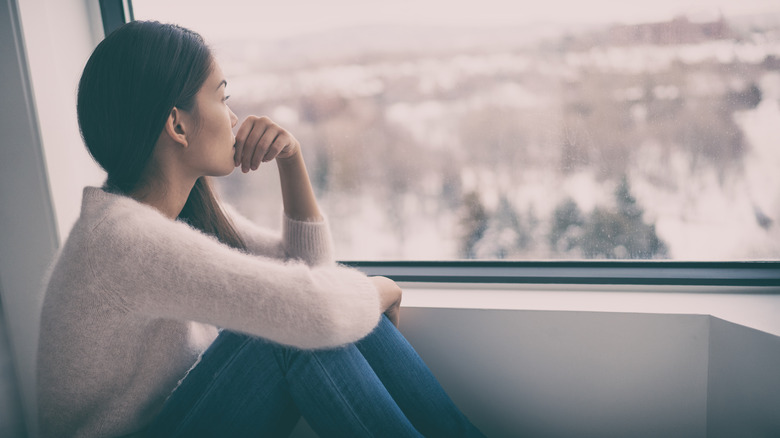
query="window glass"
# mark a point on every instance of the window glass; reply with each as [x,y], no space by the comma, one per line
[439,130]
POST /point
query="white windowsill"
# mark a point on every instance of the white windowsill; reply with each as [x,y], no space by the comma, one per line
[755,307]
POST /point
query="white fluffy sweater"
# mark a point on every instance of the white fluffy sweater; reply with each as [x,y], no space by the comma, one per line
[133,299]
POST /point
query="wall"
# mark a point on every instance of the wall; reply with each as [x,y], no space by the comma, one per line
[11,414]
[546,373]
[744,375]
[43,46]
[59,37]
[564,374]
[27,234]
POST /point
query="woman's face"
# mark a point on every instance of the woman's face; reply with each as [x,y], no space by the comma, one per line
[210,146]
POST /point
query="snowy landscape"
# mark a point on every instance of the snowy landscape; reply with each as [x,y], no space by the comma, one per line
[644,141]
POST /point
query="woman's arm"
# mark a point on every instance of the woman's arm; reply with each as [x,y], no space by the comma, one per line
[261,140]
[297,193]
[309,242]
[306,234]
[161,268]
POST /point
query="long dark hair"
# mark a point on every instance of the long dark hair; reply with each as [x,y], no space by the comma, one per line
[129,86]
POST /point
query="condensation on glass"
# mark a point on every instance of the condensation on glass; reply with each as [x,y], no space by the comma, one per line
[566,134]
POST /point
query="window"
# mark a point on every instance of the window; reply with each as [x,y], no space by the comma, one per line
[435,131]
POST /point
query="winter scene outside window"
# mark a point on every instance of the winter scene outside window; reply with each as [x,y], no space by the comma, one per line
[432,130]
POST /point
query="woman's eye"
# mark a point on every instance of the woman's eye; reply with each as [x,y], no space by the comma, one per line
[224,99]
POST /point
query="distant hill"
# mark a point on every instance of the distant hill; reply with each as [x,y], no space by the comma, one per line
[370,42]
[366,42]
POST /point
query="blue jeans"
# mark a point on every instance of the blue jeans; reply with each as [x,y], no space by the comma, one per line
[248,386]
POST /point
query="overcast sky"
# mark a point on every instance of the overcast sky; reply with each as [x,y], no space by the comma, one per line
[224,19]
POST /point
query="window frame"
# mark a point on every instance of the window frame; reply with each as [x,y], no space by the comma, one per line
[114,13]
[592,272]
[603,272]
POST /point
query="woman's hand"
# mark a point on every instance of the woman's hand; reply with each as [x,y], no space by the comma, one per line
[260,140]
[389,297]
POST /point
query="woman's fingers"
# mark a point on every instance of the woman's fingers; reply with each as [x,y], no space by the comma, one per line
[253,141]
[280,142]
[246,139]
[263,146]
[261,140]
[390,295]
[394,314]
[243,132]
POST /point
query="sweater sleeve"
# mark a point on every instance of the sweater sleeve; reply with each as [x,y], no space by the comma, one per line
[309,242]
[167,269]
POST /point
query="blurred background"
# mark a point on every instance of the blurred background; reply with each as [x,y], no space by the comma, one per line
[626,130]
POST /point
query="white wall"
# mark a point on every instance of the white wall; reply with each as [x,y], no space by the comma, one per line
[601,374]
[566,374]
[743,396]
[59,37]
[43,46]
[27,231]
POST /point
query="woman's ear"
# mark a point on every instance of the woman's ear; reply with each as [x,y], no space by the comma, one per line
[175,127]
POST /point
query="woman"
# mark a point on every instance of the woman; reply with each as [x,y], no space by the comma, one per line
[129,344]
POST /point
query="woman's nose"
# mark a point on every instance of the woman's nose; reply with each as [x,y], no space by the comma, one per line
[233,119]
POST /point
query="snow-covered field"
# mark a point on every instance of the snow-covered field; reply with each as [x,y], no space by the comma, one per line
[706,219]
[699,212]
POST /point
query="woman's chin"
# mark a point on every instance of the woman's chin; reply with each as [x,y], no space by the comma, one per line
[225,171]
[229,170]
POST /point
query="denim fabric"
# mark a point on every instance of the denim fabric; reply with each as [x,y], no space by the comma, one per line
[248,386]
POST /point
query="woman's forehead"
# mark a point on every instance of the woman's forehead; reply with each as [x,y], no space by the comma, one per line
[216,79]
